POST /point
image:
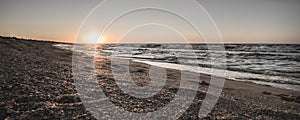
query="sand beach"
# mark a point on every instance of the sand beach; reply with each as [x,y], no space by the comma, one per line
[36,82]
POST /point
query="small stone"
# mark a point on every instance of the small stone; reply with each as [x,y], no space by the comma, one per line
[297,99]
[266,93]
[8,118]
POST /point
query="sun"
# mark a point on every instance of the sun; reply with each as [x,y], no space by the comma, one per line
[93,38]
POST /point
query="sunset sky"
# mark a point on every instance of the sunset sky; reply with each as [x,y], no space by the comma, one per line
[239,21]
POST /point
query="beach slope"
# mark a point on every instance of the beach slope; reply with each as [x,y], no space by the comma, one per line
[36,82]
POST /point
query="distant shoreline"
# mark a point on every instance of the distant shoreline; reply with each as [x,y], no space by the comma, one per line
[53,41]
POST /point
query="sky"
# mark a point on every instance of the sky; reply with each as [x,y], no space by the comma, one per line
[239,21]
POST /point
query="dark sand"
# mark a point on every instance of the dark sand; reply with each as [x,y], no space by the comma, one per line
[36,82]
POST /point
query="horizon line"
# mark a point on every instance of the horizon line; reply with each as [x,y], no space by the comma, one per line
[34,39]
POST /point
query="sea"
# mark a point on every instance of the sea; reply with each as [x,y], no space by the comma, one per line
[276,65]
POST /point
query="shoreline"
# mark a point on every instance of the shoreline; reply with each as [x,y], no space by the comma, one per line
[277,81]
[36,83]
[270,84]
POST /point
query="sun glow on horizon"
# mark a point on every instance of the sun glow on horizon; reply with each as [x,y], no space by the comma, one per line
[94,38]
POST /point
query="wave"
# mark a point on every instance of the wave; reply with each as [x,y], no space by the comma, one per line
[274,65]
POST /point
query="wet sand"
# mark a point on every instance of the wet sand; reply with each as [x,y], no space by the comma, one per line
[36,82]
